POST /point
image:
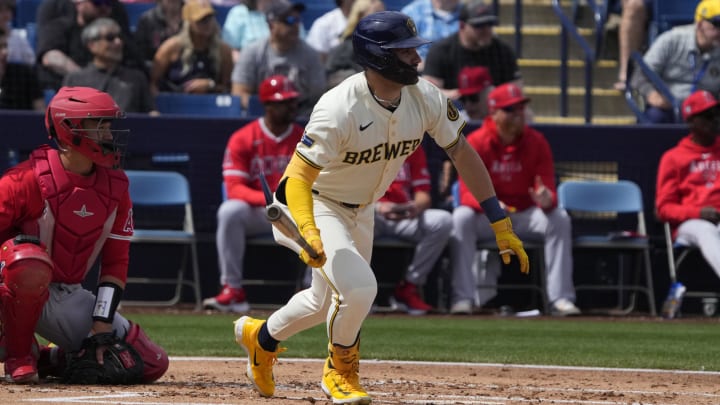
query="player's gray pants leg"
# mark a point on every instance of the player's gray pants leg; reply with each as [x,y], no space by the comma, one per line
[236,221]
[431,231]
[706,236]
[553,227]
[67,316]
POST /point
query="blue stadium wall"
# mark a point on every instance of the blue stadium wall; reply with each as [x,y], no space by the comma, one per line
[195,147]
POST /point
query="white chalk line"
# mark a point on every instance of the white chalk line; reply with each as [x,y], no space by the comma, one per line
[103,396]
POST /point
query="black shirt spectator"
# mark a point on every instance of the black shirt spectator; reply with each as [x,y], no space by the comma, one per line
[155,26]
[19,89]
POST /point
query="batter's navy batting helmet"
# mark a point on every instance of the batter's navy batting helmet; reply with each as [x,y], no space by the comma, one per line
[377,35]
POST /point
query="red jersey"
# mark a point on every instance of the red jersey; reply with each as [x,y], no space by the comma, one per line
[412,177]
[512,167]
[23,209]
[251,150]
[688,179]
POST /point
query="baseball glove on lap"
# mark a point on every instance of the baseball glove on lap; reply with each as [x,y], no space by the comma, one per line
[122,363]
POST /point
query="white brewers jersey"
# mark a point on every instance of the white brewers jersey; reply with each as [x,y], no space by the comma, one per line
[359,146]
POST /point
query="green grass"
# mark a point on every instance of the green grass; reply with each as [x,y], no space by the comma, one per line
[572,342]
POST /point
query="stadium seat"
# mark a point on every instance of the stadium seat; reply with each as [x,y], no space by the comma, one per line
[221,13]
[396,5]
[134,11]
[315,9]
[25,12]
[669,13]
[606,202]
[255,107]
[164,190]
[208,105]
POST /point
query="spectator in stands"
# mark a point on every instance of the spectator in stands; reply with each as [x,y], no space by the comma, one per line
[325,32]
[19,88]
[127,86]
[687,58]
[156,25]
[434,19]
[632,34]
[340,63]
[521,169]
[404,212]
[247,23]
[474,44]
[263,146]
[50,10]
[19,49]
[60,49]
[196,60]
[688,182]
[283,52]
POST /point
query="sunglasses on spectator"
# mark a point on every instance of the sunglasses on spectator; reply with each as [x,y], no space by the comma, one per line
[110,37]
[514,108]
[290,20]
[473,98]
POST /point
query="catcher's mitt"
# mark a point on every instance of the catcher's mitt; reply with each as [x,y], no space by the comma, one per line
[122,363]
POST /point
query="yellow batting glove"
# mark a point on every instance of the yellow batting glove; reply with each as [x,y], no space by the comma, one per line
[312,237]
[510,244]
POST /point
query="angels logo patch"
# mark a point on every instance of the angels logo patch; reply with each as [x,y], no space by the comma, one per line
[452,112]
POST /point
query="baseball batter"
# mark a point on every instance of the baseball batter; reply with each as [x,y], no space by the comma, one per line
[358,137]
[59,212]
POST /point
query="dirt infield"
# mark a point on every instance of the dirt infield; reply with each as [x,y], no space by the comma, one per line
[222,381]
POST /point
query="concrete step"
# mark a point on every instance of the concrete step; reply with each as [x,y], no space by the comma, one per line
[606,102]
[536,12]
[547,72]
[543,41]
[577,120]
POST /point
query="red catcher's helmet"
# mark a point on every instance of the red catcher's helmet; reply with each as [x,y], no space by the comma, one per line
[277,88]
[66,113]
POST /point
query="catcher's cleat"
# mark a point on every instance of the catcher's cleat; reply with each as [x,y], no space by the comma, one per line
[341,381]
[21,370]
[229,300]
[260,361]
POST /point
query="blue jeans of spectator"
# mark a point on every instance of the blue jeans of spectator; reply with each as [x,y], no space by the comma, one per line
[659,116]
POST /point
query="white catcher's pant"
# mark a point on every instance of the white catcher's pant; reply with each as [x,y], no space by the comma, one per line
[342,292]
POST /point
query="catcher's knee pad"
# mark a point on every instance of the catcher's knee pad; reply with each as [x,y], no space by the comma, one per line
[155,359]
[25,268]
[25,272]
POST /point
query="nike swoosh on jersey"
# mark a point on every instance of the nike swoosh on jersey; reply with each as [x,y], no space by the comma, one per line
[364,127]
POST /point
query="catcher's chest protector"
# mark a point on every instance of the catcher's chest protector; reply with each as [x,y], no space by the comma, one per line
[78,215]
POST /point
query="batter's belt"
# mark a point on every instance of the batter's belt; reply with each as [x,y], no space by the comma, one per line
[344,204]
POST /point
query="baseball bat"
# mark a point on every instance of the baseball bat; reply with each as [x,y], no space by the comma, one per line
[287,227]
[281,221]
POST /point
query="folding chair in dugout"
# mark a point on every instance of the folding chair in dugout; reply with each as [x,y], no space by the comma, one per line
[677,253]
[164,190]
[606,198]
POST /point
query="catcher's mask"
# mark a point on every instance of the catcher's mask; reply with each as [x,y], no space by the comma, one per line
[375,38]
[67,117]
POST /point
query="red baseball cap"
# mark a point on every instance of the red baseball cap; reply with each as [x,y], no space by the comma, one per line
[473,80]
[277,88]
[506,95]
[698,102]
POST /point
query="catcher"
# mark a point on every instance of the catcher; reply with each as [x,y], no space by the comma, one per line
[59,211]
